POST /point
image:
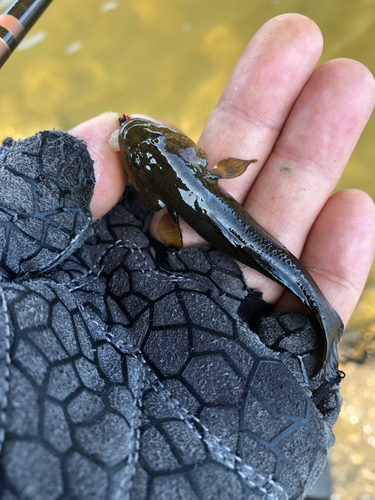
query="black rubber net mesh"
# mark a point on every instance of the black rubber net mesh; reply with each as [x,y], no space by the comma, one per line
[132,371]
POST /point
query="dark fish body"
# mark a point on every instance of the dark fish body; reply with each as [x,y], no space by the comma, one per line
[168,169]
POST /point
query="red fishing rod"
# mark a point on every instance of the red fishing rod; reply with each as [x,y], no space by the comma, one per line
[16,20]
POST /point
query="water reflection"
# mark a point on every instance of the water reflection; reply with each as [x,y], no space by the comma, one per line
[352,460]
[32,40]
[4,3]
[73,47]
[105,7]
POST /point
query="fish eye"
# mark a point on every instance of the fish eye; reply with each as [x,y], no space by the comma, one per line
[135,161]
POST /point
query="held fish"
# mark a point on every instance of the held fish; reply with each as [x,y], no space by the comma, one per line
[170,170]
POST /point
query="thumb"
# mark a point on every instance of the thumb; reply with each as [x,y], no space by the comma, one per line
[109,171]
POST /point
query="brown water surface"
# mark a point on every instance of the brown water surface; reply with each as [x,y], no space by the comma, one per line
[171,59]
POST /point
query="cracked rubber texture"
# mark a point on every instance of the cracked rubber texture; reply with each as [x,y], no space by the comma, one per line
[46,184]
[128,371]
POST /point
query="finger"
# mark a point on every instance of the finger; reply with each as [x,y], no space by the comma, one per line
[310,155]
[339,251]
[312,151]
[257,100]
[260,93]
[110,173]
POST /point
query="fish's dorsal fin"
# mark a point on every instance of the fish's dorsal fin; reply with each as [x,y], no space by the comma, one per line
[169,230]
[230,168]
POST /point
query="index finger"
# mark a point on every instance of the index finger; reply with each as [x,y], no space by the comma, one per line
[260,93]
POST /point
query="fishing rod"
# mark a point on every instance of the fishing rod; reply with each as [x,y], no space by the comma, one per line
[16,20]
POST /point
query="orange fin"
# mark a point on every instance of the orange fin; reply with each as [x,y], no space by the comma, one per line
[169,231]
[230,168]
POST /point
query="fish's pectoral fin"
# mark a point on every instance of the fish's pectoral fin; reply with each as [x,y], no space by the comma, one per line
[169,230]
[230,168]
[150,199]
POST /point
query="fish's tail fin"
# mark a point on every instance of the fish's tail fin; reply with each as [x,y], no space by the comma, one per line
[329,368]
[333,327]
[326,319]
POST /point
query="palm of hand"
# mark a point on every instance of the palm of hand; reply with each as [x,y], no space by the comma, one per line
[302,125]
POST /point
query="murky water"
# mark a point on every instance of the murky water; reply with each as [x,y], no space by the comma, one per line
[353,458]
[171,59]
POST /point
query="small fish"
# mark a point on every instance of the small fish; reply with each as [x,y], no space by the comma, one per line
[170,170]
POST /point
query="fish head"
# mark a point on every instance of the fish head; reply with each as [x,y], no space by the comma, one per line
[141,142]
[155,157]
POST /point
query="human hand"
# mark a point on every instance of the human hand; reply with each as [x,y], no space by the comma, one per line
[277,109]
